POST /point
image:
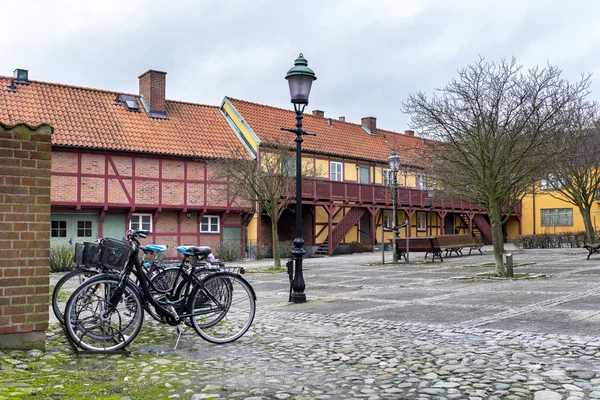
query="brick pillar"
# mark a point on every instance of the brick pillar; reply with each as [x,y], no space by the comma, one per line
[24,235]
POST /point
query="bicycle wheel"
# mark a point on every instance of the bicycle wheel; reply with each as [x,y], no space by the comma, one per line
[87,322]
[224,305]
[65,286]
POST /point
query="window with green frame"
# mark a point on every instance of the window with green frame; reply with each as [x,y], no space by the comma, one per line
[557,216]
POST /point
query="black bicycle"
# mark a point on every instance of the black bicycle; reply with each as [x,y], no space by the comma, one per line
[87,258]
[106,312]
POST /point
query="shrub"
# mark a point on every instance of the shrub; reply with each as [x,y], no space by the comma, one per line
[550,240]
[285,248]
[228,251]
[61,258]
[262,251]
[363,246]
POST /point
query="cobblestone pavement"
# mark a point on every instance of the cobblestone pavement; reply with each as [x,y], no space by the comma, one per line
[372,331]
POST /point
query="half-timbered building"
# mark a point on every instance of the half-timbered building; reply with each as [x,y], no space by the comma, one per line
[122,161]
[350,198]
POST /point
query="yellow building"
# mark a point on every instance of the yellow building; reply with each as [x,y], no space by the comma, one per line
[350,198]
[544,213]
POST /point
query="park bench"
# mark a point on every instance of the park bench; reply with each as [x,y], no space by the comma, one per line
[455,243]
[419,244]
[592,248]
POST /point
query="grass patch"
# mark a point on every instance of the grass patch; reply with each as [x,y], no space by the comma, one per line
[266,270]
[515,276]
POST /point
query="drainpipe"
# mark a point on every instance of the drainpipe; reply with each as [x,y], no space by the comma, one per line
[534,222]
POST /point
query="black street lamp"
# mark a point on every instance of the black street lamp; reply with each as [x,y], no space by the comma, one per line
[300,79]
[430,195]
[394,161]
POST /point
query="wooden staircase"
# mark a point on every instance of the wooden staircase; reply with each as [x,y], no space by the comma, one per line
[484,228]
[481,228]
[340,230]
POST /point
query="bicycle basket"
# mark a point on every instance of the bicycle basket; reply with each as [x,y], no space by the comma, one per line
[113,253]
[78,258]
[90,256]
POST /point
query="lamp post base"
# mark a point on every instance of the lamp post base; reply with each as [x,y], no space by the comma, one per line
[298,298]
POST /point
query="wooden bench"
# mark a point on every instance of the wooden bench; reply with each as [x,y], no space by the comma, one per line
[419,244]
[592,248]
[455,243]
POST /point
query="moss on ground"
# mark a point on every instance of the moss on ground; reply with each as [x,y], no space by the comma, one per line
[61,373]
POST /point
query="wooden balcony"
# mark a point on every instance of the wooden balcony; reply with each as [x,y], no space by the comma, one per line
[324,191]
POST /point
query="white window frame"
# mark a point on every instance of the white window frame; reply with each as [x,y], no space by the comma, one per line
[210,224]
[289,166]
[388,218]
[140,222]
[388,177]
[550,183]
[421,181]
[421,221]
[334,174]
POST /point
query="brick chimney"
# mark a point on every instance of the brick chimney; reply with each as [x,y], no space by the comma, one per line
[370,123]
[408,132]
[318,113]
[153,88]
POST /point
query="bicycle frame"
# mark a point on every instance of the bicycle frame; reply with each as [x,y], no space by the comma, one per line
[166,308]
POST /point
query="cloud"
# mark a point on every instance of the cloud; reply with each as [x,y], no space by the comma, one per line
[368,54]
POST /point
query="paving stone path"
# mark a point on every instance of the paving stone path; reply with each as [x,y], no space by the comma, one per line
[372,331]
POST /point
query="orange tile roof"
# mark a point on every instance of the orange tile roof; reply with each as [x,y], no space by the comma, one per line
[341,138]
[84,117]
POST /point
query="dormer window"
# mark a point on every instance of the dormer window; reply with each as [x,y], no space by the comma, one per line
[129,102]
[21,76]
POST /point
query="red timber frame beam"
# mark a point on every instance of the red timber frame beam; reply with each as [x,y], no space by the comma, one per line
[138,183]
[129,184]
[373,213]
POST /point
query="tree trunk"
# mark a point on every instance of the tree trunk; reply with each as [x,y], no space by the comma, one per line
[590,233]
[276,256]
[497,238]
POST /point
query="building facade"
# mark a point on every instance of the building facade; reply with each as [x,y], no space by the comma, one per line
[350,199]
[123,161]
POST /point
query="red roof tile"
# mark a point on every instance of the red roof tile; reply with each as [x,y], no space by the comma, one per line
[84,117]
[341,138]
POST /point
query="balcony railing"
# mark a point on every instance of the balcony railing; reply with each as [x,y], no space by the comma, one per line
[330,191]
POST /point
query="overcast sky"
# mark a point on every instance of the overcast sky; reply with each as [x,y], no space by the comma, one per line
[368,55]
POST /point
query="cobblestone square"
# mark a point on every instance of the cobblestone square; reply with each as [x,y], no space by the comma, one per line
[372,331]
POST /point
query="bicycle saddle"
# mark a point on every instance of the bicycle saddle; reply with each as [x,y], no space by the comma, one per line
[154,247]
[194,250]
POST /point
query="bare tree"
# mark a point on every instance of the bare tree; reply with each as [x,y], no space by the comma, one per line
[269,181]
[496,127]
[574,176]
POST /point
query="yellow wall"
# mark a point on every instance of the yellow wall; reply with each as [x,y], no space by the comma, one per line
[349,171]
[544,200]
[242,127]
[253,228]
[322,167]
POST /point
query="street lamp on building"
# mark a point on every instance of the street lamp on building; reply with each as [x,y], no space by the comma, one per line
[394,161]
[300,78]
[430,196]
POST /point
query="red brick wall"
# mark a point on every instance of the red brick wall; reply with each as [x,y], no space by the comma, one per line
[24,235]
[97,178]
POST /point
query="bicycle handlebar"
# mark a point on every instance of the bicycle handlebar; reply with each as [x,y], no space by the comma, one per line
[134,234]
